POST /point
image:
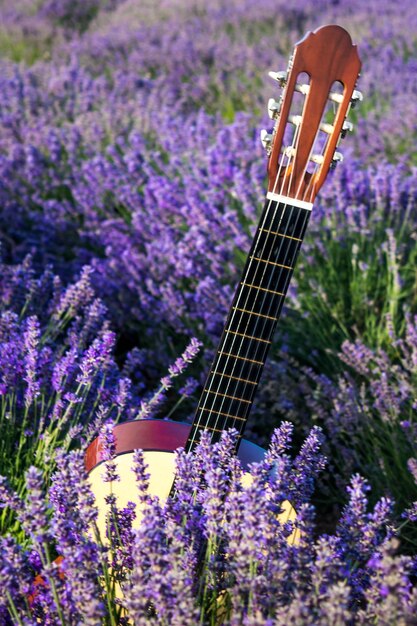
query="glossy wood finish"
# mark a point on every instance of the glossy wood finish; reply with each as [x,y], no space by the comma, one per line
[327,55]
[158,436]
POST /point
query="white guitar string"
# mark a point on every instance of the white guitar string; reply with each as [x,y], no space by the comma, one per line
[300,203]
[213,372]
[279,199]
[276,279]
[219,411]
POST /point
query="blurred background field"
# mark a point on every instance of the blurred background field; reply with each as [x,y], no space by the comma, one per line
[131,178]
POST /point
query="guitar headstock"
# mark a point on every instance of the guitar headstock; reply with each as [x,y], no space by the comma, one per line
[310,116]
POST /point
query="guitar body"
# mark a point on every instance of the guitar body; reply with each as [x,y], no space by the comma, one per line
[158,439]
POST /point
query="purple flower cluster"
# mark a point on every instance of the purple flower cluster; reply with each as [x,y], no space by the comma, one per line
[130,180]
[216,551]
[367,412]
[131,172]
[59,381]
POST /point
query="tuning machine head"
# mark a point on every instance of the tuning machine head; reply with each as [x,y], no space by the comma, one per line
[337,158]
[346,128]
[280,77]
[266,140]
[357,96]
[274,108]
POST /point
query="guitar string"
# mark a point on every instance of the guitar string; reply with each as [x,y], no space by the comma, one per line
[293,150]
[309,190]
[213,372]
[230,320]
[228,359]
[269,306]
[202,407]
[271,278]
[263,301]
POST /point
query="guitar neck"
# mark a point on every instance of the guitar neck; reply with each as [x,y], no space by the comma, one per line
[233,379]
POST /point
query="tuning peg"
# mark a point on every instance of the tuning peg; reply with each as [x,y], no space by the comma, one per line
[357,96]
[327,128]
[273,108]
[346,128]
[295,119]
[336,97]
[337,158]
[319,159]
[280,77]
[266,139]
[302,88]
[289,152]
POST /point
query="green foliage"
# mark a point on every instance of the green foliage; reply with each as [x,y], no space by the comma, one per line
[21,48]
[357,284]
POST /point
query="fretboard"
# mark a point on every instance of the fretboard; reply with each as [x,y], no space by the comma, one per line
[234,375]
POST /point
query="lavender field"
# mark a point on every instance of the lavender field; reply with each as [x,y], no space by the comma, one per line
[131,183]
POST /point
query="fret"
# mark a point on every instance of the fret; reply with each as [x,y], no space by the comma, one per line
[242,380]
[269,317]
[232,382]
[247,347]
[254,325]
[225,402]
[230,387]
[216,430]
[287,267]
[264,303]
[234,417]
[238,367]
[287,219]
[237,356]
[277,293]
[226,395]
[213,428]
[274,232]
[267,276]
[233,332]
[277,250]
[216,425]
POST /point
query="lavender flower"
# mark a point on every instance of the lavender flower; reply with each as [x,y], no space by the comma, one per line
[34,515]
[31,341]
[76,295]
[96,358]
[141,475]
[128,135]
[411,513]
[109,452]
[187,357]
[73,519]
[148,408]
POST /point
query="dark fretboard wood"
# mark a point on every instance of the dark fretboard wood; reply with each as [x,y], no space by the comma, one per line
[231,384]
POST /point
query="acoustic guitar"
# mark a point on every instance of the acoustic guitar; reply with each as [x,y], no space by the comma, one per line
[309,118]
